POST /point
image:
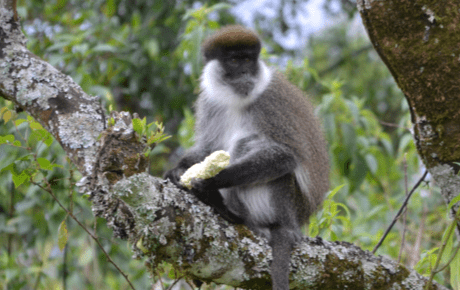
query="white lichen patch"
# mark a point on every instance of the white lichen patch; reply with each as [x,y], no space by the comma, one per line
[220,261]
[364,4]
[89,156]
[429,13]
[211,165]
[447,180]
[38,73]
[79,130]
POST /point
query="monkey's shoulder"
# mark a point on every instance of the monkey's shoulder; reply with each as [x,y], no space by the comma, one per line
[281,91]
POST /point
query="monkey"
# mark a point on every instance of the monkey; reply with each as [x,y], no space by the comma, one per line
[279,167]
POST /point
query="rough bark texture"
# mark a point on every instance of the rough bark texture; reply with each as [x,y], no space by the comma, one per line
[419,41]
[171,226]
[162,222]
[74,118]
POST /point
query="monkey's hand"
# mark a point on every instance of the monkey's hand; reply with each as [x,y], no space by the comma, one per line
[174,175]
[205,170]
[200,185]
[203,189]
[206,191]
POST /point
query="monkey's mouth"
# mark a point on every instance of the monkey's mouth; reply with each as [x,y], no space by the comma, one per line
[245,89]
[242,86]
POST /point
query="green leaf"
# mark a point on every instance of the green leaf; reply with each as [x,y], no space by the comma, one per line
[349,137]
[358,173]
[10,167]
[137,126]
[44,163]
[334,191]
[110,8]
[372,163]
[448,249]
[313,228]
[455,273]
[3,110]
[157,138]
[36,126]
[454,201]
[58,46]
[63,235]
[140,245]
[186,129]
[219,6]
[405,140]
[7,116]
[19,122]
[386,141]
[153,48]
[136,20]
[104,48]
[6,139]
[42,135]
[20,179]
[86,256]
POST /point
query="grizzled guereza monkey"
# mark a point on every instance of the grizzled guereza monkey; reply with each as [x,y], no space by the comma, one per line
[278,170]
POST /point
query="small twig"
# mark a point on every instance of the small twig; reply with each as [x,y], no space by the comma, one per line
[403,239]
[64,268]
[393,125]
[450,230]
[10,216]
[344,59]
[48,189]
[191,284]
[159,278]
[450,259]
[389,124]
[400,211]
[174,283]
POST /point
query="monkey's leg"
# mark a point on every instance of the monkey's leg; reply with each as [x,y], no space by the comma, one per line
[282,242]
[214,199]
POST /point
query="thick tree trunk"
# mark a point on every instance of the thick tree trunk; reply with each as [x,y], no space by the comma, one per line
[419,41]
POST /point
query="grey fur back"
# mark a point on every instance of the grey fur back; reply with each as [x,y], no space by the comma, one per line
[299,131]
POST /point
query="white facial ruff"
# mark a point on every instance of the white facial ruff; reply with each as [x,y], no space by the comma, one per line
[214,89]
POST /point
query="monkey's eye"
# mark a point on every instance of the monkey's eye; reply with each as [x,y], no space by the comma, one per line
[233,61]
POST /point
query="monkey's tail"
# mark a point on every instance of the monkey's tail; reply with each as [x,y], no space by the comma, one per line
[282,241]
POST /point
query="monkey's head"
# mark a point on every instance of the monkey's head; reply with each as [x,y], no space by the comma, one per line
[236,49]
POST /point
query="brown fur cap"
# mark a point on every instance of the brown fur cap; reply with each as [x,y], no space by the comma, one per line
[230,38]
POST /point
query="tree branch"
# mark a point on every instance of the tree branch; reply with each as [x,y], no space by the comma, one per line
[73,117]
[173,226]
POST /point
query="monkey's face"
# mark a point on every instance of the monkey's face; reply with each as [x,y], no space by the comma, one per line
[240,71]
